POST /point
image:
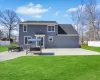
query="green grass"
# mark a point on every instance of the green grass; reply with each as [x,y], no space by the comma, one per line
[5,48]
[97,49]
[51,68]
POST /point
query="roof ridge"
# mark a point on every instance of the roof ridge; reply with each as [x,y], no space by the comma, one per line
[65,24]
[34,21]
[40,20]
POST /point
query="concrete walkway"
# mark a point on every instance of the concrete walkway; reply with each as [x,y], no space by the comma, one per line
[54,52]
[70,51]
[11,55]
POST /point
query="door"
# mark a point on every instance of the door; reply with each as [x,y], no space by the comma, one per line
[40,43]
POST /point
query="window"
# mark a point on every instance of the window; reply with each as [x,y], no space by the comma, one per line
[50,39]
[26,39]
[24,28]
[51,28]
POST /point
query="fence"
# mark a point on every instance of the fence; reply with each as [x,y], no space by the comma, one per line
[94,43]
[4,43]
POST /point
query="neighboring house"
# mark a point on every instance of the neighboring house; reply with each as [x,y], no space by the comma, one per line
[52,34]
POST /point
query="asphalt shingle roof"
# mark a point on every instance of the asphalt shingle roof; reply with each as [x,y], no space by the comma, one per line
[39,22]
[62,28]
[67,29]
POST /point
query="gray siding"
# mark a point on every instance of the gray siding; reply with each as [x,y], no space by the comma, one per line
[58,41]
[65,42]
[35,29]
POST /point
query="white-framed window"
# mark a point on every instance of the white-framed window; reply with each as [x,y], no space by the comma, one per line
[24,28]
[50,28]
[50,38]
[26,42]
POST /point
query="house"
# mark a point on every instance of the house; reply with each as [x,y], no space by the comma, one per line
[52,34]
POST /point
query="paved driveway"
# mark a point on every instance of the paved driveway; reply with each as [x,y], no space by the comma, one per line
[56,52]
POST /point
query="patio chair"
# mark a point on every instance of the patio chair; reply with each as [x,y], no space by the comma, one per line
[15,48]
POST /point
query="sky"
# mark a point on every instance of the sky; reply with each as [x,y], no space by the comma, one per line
[50,10]
[55,10]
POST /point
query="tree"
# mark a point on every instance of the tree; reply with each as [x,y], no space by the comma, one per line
[1,34]
[78,17]
[10,20]
[88,15]
[93,17]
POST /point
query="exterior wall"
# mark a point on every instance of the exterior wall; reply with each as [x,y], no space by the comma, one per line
[54,34]
[35,29]
[58,41]
[65,42]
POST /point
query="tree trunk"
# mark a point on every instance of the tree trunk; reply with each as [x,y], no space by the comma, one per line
[9,34]
[94,35]
[82,37]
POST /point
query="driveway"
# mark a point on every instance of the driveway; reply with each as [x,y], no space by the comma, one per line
[56,52]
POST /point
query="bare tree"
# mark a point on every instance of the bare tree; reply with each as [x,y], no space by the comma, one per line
[10,20]
[1,34]
[75,16]
[93,16]
[78,17]
[88,14]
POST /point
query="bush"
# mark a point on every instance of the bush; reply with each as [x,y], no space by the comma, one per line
[11,41]
[84,44]
[5,39]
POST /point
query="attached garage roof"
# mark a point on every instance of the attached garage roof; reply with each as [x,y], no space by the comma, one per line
[66,29]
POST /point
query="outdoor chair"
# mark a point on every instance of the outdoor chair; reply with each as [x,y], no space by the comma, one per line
[15,48]
[36,50]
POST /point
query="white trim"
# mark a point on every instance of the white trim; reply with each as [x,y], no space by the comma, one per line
[24,39]
[23,28]
[49,38]
[68,35]
[51,31]
[43,41]
[39,35]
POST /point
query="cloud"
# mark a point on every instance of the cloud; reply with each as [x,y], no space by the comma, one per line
[72,9]
[34,10]
[22,20]
[15,33]
[56,13]
[75,9]
[3,28]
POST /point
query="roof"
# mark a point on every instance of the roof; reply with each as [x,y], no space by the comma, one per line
[66,29]
[39,22]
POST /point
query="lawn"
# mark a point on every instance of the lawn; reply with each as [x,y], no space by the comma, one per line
[51,68]
[97,49]
[5,48]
